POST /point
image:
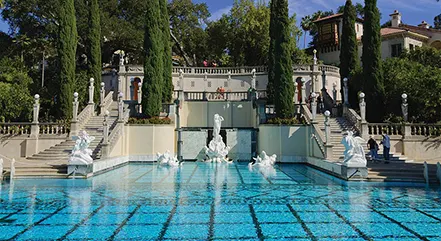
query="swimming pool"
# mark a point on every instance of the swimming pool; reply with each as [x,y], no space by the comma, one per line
[204,201]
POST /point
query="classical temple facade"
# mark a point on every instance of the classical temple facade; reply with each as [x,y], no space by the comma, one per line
[395,38]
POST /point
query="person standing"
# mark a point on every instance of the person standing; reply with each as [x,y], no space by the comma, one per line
[373,148]
[386,147]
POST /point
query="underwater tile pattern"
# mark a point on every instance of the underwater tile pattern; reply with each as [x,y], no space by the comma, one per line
[208,201]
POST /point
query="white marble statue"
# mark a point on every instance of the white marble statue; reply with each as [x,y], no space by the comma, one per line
[354,151]
[167,159]
[81,154]
[263,160]
[264,165]
[217,151]
[1,169]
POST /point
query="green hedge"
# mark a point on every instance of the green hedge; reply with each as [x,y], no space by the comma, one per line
[150,121]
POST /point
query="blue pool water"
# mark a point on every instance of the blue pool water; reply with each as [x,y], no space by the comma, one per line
[216,202]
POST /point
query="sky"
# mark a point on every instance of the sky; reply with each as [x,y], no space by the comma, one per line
[413,11]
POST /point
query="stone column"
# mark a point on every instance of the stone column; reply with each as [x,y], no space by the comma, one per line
[328,145]
[334,103]
[334,93]
[362,107]
[314,69]
[204,96]
[253,79]
[102,96]
[105,144]
[74,127]
[303,91]
[178,129]
[35,128]
[120,107]
[314,107]
[139,97]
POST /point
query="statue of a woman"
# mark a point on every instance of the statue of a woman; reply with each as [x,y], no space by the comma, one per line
[217,125]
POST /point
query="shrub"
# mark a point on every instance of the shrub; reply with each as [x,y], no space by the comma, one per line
[286,121]
[150,121]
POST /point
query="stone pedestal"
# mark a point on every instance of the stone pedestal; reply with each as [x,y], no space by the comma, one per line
[74,128]
[364,130]
[79,169]
[349,172]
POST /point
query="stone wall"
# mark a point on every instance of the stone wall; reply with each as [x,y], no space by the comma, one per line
[238,114]
[22,146]
[289,143]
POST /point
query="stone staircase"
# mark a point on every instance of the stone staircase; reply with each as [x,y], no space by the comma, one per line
[399,168]
[52,162]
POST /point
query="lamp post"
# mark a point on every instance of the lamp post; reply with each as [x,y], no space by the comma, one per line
[404,107]
[314,106]
[102,93]
[178,128]
[120,107]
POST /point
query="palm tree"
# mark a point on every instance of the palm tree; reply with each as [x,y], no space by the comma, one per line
[306,26]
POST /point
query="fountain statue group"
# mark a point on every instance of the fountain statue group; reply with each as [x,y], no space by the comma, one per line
[167,159]
[216,150]
[263,160]
[354,155]
[81,154]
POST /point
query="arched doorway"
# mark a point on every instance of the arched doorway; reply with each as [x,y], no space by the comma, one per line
[135,87]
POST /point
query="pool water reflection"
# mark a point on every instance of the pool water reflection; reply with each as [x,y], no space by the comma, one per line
[203,201]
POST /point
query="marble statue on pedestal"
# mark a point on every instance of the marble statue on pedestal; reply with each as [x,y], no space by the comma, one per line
[354,155]
[81,154]
[217,151]
[167,159]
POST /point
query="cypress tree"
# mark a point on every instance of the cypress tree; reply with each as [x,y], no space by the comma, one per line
[270,88]
[372,72]
[67,46]
[349,46]
[283,63]
[167,87]
[94,42]
[153,60]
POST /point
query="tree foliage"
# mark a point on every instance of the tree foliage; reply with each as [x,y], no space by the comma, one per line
[67,46]
[167,88]
[153,60]
[349,45]
[422,84]
[94,45]
[270,88]
[15,98]
[283,61]
[372,72]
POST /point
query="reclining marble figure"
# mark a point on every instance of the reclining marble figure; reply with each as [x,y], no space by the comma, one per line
[81,154]
[167,159]
[263,160]
[354,155]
